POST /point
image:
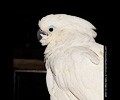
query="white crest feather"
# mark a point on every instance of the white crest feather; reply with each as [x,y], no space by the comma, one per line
[73,59]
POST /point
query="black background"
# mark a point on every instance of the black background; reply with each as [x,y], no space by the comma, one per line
[21,21]
[26,26]
[27,22]
[30,86]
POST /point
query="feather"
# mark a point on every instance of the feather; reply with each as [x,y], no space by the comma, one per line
[74,61]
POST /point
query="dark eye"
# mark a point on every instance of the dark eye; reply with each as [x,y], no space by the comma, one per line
[50,29]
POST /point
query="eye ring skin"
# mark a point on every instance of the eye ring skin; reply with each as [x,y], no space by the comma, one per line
[51,28]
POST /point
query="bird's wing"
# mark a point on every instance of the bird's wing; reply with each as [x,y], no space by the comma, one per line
[82,74]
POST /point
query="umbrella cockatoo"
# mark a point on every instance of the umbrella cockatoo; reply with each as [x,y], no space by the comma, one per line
[73,59]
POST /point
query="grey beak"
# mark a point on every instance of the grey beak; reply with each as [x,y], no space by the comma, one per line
[38,34]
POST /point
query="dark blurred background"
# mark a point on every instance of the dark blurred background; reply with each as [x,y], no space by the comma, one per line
[25,43]
[26,50]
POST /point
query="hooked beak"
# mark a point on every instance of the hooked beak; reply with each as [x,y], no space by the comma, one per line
[39,37]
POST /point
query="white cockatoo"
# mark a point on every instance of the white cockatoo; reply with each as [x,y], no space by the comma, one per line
[73,59]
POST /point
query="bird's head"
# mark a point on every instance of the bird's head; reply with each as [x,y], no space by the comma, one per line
[64,29]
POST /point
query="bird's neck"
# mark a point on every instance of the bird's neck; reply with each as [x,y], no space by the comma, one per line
[53,47]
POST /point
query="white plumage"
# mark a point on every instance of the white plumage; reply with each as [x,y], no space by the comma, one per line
[74,61]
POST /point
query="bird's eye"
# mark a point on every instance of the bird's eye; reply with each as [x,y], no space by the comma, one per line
[51,28]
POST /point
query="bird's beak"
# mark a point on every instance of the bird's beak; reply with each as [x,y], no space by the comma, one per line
[39,37]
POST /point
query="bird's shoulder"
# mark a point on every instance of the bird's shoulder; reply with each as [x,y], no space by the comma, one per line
[81,53]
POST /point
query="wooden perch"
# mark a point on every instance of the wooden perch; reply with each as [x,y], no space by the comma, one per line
[28,64]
